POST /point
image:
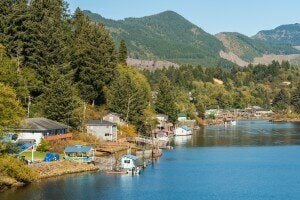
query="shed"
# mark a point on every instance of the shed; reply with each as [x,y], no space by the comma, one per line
[182,117]
[129,161]
[79,153]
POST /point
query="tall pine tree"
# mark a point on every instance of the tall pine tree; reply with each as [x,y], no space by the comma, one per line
[59,101]
[122,54]
[94,59]
[166,98]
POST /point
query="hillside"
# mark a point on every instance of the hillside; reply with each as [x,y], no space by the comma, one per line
[248,48]
[164,36]
[287,34]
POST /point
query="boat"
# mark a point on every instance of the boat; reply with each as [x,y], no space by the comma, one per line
[183,131]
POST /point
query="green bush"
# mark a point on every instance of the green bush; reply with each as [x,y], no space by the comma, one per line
[44,146]
[16,169]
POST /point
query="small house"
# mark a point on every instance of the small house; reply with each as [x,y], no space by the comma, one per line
[114,118]
[182,117]
[79,153]
[129,161]
[36,129]
[182,131]
[103,129]
[163,123]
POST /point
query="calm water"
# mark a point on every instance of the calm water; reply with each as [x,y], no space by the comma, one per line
[254,160]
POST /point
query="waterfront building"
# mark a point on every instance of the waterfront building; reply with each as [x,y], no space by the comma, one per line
[79,153]
[182,117]
[35,129]
[103,129]
[128,162]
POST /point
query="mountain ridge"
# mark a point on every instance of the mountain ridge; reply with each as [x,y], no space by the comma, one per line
[169,36]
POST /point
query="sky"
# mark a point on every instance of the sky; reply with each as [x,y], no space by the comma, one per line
[214,16]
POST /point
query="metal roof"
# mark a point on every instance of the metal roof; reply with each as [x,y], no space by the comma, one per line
[130,156]
[78,149]
[100,123]
[182,115]
[40,124]
[185,128]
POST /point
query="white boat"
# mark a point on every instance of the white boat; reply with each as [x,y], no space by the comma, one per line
[230,122]
[182,131]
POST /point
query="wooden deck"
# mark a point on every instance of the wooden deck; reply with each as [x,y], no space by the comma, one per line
[58,137]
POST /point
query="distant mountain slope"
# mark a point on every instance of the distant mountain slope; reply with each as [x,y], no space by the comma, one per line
[165,36]
[287,34]
[248,48]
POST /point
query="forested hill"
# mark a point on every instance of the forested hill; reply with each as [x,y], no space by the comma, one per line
[248,48]
[288,34]
[166,36]
[169,36]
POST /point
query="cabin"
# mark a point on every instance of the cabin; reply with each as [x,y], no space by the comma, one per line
[128,162]
[182,131]
[36,129]
[163,123]
[182,117]
[79,153]
[114,118]
[103,129]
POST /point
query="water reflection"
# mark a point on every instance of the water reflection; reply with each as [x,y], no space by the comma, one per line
[245,133]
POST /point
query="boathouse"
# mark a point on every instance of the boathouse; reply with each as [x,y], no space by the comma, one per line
[79,153]
[129,161]
[103,129]
[36,129]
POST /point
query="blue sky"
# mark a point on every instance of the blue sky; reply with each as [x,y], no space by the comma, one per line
[244,16]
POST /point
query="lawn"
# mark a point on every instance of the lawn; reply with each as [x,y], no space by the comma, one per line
[37,155]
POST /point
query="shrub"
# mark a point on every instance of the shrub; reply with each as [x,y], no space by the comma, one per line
[44,146]
[16,169]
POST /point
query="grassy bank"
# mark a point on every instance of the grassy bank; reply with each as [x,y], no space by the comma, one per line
[290,117]
[15,173]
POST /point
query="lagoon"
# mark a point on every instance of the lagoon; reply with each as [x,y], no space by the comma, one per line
[256,159]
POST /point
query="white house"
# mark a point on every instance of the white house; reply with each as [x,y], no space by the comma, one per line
[182,131]
[35,129]
[181,117]
[114,118]
[103,129]
[129,161]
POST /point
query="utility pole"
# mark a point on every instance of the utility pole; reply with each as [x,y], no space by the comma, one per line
[84,111]
[28,106]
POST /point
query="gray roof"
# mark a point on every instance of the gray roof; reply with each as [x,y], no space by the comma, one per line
[130,156]
[40,124]
[100,123]
[78,149]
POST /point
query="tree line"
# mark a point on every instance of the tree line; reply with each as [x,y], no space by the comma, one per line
[67,68]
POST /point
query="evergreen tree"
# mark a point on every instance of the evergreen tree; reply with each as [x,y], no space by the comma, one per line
[59,101]
[129,95]
[295,99]
[282,100]
[166,98]
[93,59]
[11,111]
[49,36]
[122,56]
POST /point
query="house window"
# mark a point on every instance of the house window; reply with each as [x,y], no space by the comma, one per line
[127,161]
[106,134]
